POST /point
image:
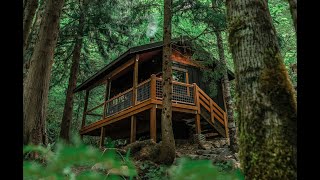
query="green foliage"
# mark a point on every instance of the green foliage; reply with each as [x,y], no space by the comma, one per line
[202,169]
[153,172]
[282,21]
[79,161]
[63,161]
[111,27]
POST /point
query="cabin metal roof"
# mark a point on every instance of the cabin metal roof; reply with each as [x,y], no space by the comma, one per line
[122,59]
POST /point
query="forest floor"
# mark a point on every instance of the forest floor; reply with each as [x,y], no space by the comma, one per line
[216,150]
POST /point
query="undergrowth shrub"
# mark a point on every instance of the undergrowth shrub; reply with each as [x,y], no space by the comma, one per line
[79,161]
[202,169]
[62,162]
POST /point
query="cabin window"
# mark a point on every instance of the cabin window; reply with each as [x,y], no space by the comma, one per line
[179,74]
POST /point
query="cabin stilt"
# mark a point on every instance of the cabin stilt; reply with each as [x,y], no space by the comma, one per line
[133,129]
[102,136]
[153,124]
[198,126]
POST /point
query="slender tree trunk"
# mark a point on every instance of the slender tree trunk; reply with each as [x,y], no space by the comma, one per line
[265,96]
[37,80]
[227,96]
[29,12]
[293,10]
[68,107]
[167,149]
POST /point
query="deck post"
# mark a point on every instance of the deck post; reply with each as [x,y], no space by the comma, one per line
[135,80]
[187,82]
[133,129]
[196,97]
[153,87]
[85,109]
[105,99]
[153,124]
[109,89]
[198,125]
[195,92]
[134,98]
[102,135]
[197,103]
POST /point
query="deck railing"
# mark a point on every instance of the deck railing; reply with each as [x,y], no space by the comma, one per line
[119,102]
[182,93]
[143,91]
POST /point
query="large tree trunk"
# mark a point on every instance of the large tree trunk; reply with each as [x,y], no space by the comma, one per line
[68,106]
[32,38]
[293,10]
[37,80]
[265,96]
[227,96]
[167,149]
[29,12]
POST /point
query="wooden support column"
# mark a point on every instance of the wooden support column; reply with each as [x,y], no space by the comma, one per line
[133,129]
[109,89]
[153,87]
[85,109]
[187,81]
[102,135]
[135,79]
[195,93]
[134,99]
[105,99]
[197,103]
[153,124]
[196,97]
[198,125]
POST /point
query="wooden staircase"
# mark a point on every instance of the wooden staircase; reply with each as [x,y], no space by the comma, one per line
[211,112]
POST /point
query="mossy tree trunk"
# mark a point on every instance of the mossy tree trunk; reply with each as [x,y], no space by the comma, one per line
[28,14]
[167,149]
[265,96]
[227,95]
[36,84]
[68,106]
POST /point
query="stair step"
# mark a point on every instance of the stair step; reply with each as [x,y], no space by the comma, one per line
[217,125]
[211,135]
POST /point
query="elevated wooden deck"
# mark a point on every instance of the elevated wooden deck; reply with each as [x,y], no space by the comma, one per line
[147,96]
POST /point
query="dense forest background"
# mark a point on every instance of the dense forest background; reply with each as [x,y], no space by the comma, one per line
[112,27]
[66,42]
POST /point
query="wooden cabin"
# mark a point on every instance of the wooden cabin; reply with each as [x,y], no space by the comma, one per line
[132,97]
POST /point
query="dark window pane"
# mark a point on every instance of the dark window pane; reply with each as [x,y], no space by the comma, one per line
[179,76]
